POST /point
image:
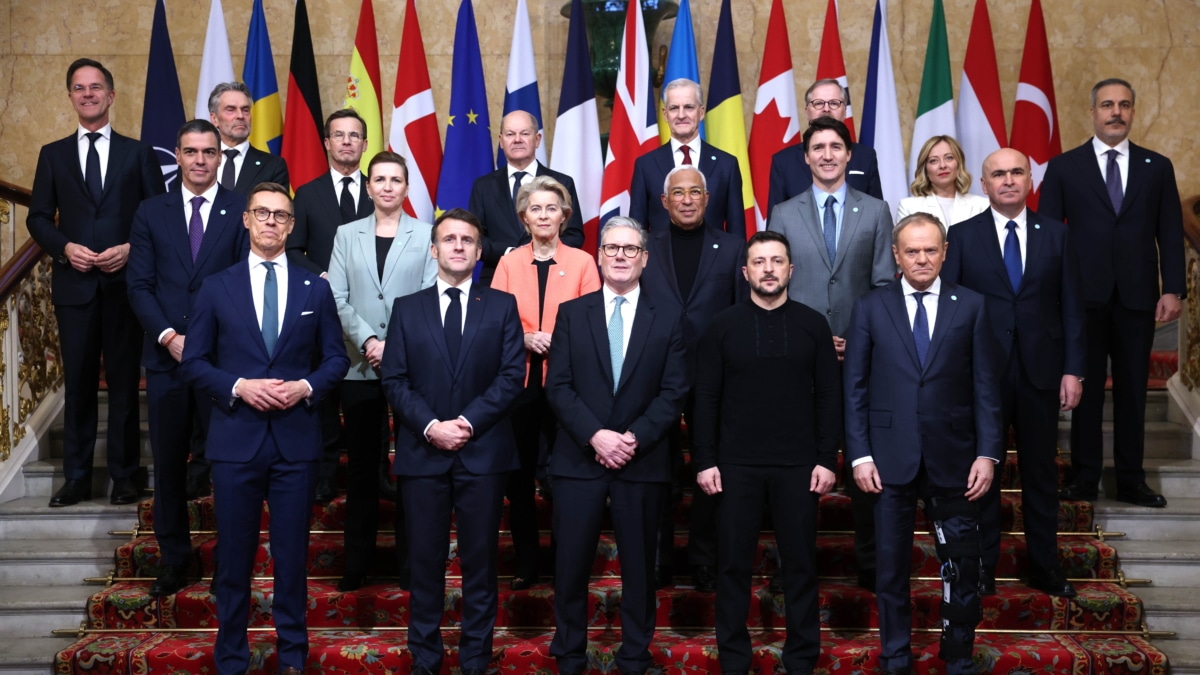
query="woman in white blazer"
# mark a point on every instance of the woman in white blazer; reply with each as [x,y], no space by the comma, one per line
[941,183]
[375,260]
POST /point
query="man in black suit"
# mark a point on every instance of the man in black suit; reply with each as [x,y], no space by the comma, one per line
[790,175]
[179,239]
[243,166]
[1122,204]
[453,366]
[683,106]
[322,206]
[1024,265]
[617,380]
[93,180]
[494,195]
[695,270]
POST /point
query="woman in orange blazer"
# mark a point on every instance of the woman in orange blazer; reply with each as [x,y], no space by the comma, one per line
[542,274]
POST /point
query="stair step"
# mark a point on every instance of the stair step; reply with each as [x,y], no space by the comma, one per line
[101,452]
[1183,654]
[45,476]
[35,611]
[54,561]
[1173,477]
[1173,563]
[1167,440]
[30,656]
[1173,609]
[33,518]
[1179,520]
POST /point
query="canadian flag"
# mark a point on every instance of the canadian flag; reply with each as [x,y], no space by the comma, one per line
[831,65]
[776,118]
[1035,114]
[414,131]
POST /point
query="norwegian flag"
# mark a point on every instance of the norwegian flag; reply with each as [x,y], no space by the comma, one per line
[414,132]
[776,117]
[831,65]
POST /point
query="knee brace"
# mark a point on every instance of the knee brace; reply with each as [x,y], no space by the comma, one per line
[955,551]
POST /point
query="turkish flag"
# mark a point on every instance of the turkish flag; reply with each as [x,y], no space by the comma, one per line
[1035,115]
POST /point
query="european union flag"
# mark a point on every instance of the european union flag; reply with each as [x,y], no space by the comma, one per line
[162,108]
[468,152]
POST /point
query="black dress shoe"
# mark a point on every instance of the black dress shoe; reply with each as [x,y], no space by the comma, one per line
[987,582]
[172,578]
[1077,493]
[324,492]
[350,581]
[198,486]
[72,492]
[703,579]
[387,489]
[1142,495]
[866,580]
[124,491]
[404,580]
[1054,583]
[523,582]
[663,576]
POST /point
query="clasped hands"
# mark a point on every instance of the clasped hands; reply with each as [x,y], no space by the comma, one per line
[613,450]
[449,435]
[84,259]
[271,394]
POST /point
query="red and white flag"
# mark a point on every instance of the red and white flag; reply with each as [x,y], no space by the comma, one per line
[414,131]
[634,129]
[831,65]
[1035,114]
[776,117]
[980,117]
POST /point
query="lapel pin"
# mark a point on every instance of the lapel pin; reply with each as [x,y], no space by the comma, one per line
[307,282]
[855,209]
[1147,160]
[716,246]
[257,163]
[222,211]
[714,158]
[954,297]
[1037,226]
[562,273]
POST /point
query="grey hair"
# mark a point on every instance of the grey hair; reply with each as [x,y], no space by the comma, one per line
[544,184]
[820,83]
[685,167]
[1111,81]
[680,83]
[214,99]
[918,217]
[624,221]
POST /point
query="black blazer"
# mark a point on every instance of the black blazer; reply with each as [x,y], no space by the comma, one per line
[133,174]
[790,174]
[726,210]
[318,216]
[1044,317]
[1127,250]
[260,167]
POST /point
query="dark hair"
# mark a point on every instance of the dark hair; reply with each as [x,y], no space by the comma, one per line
[268,187]
[828,124]
[1111,81]
[88,63]
[197,126]
[457,213]
[765,236]
[388,157]
[343,113]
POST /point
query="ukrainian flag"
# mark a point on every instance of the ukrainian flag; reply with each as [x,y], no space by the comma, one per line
[266,127]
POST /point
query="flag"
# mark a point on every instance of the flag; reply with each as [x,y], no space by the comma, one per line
[633,131]
[980,115]
[266,128]
[521,89]
[830,65]
[362,85]
[162,108]
[681,62]
[578,125]
[216,66]
[935,108]
[303,124]
[1035,113]
[414,133]
[468,137]
[776,117]
[881,115]
[725,118]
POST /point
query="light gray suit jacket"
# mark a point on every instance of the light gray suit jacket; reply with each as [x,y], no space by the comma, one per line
[864,253]
[364,304]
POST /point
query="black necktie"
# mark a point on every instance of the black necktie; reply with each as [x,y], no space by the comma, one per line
[349,213]
[921,327]
[92,170]
[229,172]
[518,176]
[1112,182]
[452,325]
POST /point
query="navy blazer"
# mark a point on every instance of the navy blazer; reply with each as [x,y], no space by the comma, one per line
[260,167]
[790,174]
[225,343]
[163,280]
[318,208]
[1127,250]
[579,386]
[946,414]
[133,174]
[725,211]
[422,385]
[1045,316]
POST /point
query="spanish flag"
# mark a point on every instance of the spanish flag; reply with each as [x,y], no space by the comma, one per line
[266,131]
[362,86]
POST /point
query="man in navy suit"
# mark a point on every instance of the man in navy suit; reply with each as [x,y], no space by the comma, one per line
[617,380]
[1024,265]
[265,345]
[1122,205]
[453,366]
[790,175]
[179,239]
[494,195]
[243,166]
[923,419]
[94,180]
[683,106]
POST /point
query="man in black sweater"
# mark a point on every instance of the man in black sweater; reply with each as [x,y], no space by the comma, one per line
[768,420]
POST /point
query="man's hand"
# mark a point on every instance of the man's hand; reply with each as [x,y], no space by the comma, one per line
[1069,392]
[374,352]
[537,342]
[113,258]
[291,393]
[823,480]
[175,347]
[1169,307]
[82,258]
[839,346]
[613,450]
[709,480]
[450,435]
[980,478]
[262,395]
[867,478]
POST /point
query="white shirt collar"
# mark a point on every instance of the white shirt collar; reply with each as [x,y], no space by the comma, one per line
[355,176]
[442,285]
[209,195]
[1100,147]
[631,297]
[255,260]
[531,170]
[1001,220]
[105,132]
[242,148]
[935,288]
[694,144]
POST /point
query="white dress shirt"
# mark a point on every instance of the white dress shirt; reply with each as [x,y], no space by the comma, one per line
[628,311]
[101,149]
[693,148]
[258,281]
[238,161]
[1022,231]
[356,179]
[1101,149]
[206,208]
[444,304]
[531,172]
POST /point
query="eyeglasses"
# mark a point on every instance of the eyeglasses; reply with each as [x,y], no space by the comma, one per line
[261,215]
[630,250]
[831,104]
[679,193]
[340,136]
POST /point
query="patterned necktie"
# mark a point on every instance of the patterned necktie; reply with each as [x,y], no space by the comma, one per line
[92,169]
[196,227]
[1112,181]
[452,325]
[687,155]
[349,213]
[518,176]
[830,227]
[1012,256]
[229,171]
[270,311]
[921,327]
[616,340]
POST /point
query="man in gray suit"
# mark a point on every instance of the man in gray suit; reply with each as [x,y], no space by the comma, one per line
[841,242]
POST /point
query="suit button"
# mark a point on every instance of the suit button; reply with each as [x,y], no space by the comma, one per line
[921,384]
[185,316]
[829,312]
[381,296]
[383,325]
[832,280]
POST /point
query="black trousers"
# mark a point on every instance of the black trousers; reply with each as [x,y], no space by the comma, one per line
[534,428]
[177,416]
[365,409]
[331,432]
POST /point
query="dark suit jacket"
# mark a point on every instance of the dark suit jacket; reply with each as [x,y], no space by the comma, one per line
[790,175]
[422,385]
[579,386]
[163,281]
[224,343]
[492,203]
[1119,250]
[260,167]
[725,211]
[318,216]
[947,414]
[133,174]
[1045,316]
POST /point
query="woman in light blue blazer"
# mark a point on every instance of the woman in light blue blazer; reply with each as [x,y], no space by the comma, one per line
[941,184]
[375,260]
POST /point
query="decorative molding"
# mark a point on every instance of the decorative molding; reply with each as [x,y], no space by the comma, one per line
[1189,326]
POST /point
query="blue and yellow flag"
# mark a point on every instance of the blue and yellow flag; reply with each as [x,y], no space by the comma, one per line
[468,152]
[266,117]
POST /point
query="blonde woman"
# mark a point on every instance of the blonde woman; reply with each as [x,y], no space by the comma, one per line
[941,183]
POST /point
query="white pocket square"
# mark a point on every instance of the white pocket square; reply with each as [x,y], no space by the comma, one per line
[306,313]
[856,171]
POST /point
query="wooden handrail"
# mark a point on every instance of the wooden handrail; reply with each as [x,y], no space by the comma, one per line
[28,255]
[15,193]
[1191,220]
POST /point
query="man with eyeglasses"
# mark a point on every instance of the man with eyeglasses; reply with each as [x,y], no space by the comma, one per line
[322,206]
[494,195]
[243,166]
[617,380]
[265,346]
[789,173]
[93,181]
[683,106]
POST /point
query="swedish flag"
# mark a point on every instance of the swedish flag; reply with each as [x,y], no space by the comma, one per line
[266,128]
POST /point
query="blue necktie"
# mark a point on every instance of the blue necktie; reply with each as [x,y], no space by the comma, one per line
[830,228]
[616,340]
[196,227]
[270,312]
[1012,256]
[452,325]
[1112,181]
[92,168]
[921,327]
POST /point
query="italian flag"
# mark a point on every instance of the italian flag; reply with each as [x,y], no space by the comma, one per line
[935,109]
